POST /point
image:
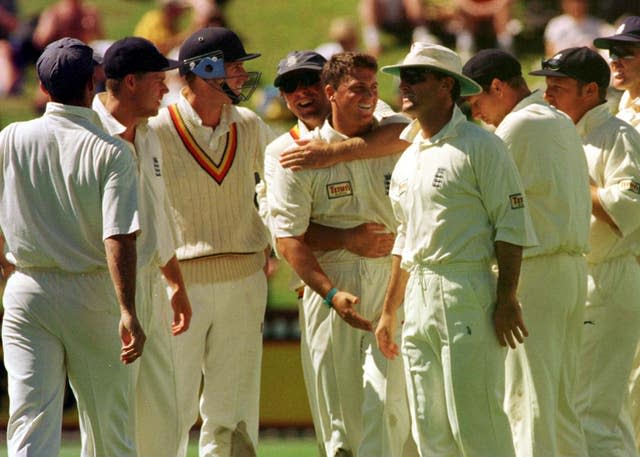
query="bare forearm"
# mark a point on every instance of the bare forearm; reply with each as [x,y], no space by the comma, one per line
[382,141]
[303,261]
[395,289]
[121,259]
[509,258]
[323,238]
[173,274]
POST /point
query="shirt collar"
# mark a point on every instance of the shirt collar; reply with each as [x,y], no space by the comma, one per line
[535,97]
[593,118]
[228,116]
[413,132]
[60,109]
[329,134]
[626,102]
[110,123]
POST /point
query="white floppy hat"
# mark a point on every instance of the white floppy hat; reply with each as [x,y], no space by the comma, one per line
[437,58]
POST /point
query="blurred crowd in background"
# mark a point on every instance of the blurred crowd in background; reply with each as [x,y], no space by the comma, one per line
[464,25]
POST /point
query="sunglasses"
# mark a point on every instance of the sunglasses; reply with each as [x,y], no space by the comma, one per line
[413,75]
[621,52]
[551,64]
[291,84]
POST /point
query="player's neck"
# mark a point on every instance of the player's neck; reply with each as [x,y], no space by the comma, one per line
[209,111]
[123,114]
[433,120]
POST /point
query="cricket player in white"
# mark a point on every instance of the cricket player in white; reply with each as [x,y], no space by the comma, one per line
[624,53]
[68,211]
[455,219]
[361,400]
[546,148]
[577,85]
[299,80]
[135,72]
[212,151]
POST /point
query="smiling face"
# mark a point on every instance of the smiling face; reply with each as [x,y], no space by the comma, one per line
[305,97]
[353,102]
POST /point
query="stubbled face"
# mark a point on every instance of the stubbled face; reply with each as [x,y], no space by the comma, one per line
[356,97]
[149,90]
[626,70]
[487,107]
[565,94]
[306,101]
[418,91]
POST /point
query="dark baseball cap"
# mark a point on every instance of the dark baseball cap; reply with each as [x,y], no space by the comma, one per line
[488,64]
[64,62]
[581,63]
[213,39]
[627,33]
[134,55]
[299,60]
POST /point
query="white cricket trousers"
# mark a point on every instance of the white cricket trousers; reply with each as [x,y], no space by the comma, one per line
[541,374]
[58,324]
[157,407]
[610,337]
[220,356]
[454,363]
[360,395]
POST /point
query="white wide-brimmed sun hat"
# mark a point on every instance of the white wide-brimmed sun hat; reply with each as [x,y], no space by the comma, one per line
[438,58]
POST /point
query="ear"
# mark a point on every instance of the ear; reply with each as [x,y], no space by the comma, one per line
[447,83]
[330,92]
[591,89]
[129,81]
[43,90]
[497,86]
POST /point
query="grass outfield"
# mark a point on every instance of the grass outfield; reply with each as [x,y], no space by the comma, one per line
[269,447]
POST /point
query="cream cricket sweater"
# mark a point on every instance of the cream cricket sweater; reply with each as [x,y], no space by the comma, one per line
[219,234]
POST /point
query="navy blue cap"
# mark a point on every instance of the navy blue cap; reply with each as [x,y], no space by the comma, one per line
[627,33]
[211,40]
[64,62]
[299,60]
[135,55]
[581,63]
[488,64]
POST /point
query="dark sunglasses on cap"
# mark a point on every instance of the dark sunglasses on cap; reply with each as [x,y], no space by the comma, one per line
[413,75]
[290,84]
[621,52]
[551,64]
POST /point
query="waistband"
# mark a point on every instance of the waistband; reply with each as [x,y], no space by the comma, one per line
[440,268]
[625,258]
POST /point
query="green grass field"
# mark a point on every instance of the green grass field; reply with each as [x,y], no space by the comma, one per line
[268,447]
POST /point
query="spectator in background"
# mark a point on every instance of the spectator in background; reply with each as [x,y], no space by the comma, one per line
[574,28]
[161,26]
[482,24]
[395,16]
[67,18]
[9,75]
[344,35]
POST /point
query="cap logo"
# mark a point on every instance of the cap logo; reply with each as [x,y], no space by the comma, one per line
[558,56]
[291,61]
[620,29]
[200,39]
